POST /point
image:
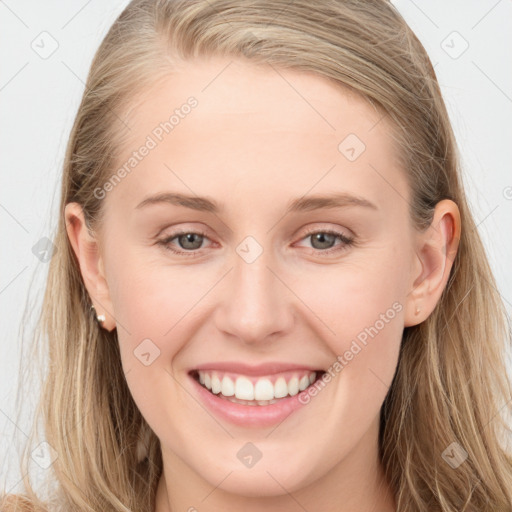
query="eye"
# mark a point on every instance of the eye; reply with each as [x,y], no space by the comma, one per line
[190,241]
[323,241]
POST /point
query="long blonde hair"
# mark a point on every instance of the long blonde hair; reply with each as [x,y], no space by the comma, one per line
[450,391]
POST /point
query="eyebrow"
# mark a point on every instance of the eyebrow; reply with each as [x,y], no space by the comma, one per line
[194,202]
[301,204]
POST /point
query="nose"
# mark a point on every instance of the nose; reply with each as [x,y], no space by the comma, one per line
[256,305]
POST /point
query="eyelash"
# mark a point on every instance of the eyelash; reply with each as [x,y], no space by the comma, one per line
[347,242]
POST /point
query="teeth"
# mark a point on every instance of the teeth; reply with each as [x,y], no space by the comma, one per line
[244,390]
[293,386]
[280,388]
[263,392]
[228,388]
[248,402]
[216,386]
[304,383]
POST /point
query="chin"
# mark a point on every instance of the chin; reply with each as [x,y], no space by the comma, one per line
[269,481]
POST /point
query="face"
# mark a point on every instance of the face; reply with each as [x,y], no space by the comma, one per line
[296,265]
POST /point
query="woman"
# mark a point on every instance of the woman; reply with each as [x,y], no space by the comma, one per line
[328,335]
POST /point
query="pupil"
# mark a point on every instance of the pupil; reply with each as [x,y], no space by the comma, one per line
[189,239]
[323,238]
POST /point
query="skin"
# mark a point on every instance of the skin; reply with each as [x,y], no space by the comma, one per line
[265,137]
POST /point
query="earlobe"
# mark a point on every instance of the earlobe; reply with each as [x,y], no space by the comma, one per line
[85,247]
[435,254]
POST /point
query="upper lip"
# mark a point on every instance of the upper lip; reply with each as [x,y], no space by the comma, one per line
[254,370]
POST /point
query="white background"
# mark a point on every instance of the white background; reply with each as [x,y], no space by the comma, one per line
[39,98]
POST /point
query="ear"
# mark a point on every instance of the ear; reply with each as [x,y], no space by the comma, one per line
[86,249]
[435,252]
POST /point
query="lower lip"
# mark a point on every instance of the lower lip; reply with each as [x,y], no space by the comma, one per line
[249,415]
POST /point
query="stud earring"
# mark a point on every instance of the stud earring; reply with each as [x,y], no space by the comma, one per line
[100,318]
[417,312]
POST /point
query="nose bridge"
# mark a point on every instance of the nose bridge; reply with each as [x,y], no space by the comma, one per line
[256,303]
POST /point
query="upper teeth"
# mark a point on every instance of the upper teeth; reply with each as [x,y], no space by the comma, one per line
[244,388]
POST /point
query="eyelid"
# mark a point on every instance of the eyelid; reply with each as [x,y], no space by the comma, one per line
[347,240]
[328,229]
[178,227]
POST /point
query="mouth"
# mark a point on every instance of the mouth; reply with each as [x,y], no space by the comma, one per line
[249,390]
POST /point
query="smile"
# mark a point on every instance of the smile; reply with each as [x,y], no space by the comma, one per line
[255,391]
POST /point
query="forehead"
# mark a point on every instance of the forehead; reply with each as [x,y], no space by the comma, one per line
[255,128]
[236,92]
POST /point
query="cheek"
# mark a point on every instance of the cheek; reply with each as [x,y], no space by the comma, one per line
[157,308]
[154,305]
[151,299]
[361,309]
[354,299]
